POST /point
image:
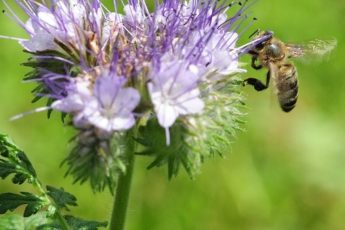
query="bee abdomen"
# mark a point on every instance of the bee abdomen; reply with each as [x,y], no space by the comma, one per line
[287,87]
[289,102]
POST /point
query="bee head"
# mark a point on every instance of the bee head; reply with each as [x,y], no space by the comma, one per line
[268,33]
[267,36]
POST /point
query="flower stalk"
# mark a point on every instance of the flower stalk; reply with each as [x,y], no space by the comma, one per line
[121,200]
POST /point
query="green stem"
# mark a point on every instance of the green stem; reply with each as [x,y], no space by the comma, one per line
[62,220]
[118,217]
[37,184]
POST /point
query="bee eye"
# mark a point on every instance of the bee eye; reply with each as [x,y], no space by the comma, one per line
[274,50]
[260,46]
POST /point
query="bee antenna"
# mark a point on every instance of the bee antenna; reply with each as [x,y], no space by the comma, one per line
[255,32]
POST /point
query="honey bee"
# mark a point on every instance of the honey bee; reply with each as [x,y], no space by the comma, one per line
[273,54]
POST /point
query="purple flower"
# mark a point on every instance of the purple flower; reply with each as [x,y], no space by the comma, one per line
[138,73]
[115,104]
[45,25]
[111,60]
[107,105]
[174,92]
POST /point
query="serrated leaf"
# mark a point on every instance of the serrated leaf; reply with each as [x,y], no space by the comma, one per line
[11,201]
[152,136]
[14,161]
[25,163]
[36,220]
[6,169]
[12,222]
[61,198]
[50,226]
[19,178]
[6,141]
[17,222]
[77,223]
[74,223]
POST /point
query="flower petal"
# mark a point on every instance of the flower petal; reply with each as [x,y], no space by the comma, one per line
[166,115]
[40,41]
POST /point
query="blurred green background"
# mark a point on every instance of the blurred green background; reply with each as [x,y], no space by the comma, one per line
[286,171]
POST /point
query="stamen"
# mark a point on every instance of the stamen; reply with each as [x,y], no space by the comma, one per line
[12,14]
[167,136]
[41,109]
[13,38]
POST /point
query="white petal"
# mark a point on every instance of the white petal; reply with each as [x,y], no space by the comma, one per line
[80,121]
[78,10]
[174,92]
[100,122]
[30,26]
[111,124]
[115,99]
[46,17]
[191,106]
[231,39]
[39,42]
[166,115]
[111,21]
[126,100]
[133,14]
[68,104]
[122,123]
[106,89]
[70,29]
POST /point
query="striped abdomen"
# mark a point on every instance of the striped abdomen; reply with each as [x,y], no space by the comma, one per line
[287,87]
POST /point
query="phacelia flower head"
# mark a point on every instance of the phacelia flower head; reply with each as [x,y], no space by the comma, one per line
[166,68]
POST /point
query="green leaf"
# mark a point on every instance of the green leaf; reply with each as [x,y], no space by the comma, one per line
[77,223]
[26,164]
[14,161]
[152,136]
[74,223]
[61,198]
[15,222]
[19,178]
[6,169]
[10,201]
[36,220]
[12,222]
[7,142]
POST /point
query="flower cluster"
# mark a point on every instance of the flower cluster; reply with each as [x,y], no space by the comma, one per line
[110,70]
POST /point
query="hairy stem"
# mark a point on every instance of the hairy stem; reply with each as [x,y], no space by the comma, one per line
[37,184]
[118,217]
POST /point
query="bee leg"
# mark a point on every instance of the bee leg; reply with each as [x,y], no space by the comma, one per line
[254,59]
[256,83]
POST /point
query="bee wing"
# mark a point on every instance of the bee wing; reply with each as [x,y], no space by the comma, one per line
[312,48]
[273,91]
[273,81]
[273,74]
